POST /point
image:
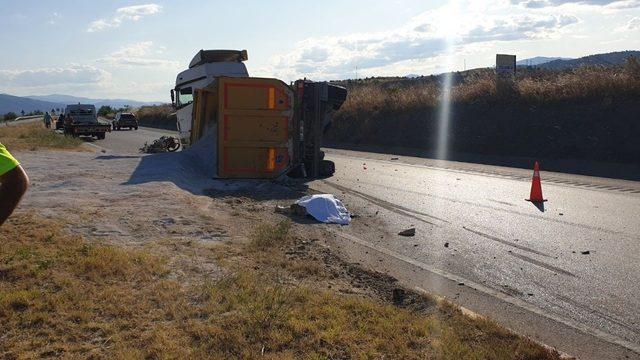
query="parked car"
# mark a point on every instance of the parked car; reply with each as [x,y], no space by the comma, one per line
[125,120]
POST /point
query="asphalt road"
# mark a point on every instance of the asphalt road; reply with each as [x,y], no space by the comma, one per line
[130,141]
[577,262]
[567,275]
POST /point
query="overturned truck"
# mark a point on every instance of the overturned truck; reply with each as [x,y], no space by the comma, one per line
[253,127]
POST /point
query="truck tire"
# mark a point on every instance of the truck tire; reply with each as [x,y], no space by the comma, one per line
[136,128]
[327,168]
[101,136]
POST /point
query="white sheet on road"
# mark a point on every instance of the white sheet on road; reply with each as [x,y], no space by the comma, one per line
[325,208]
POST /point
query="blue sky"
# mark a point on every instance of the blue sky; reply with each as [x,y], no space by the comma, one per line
[134,49]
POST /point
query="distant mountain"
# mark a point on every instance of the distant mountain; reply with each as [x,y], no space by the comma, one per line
[609,59]
[47,102]
[538,60]
[68,99]
[17,104]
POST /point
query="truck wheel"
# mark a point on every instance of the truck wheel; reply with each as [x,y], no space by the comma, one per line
[327,168]
[136,128]
[101,136]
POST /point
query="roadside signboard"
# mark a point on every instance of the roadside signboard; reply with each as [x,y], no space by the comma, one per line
[505,64]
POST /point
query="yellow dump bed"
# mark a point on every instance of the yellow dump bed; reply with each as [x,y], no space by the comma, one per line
[253,118]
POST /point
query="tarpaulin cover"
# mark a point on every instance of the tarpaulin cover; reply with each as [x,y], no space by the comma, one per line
[325,208]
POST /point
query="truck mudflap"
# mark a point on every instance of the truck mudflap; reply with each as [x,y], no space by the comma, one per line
[253,120]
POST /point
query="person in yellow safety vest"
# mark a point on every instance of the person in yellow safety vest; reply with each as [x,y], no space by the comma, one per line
[13,184]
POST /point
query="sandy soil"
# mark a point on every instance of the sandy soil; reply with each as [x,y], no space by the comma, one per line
[130,199]
[142,200]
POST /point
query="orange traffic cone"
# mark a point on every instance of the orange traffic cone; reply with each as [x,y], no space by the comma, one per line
[536,187]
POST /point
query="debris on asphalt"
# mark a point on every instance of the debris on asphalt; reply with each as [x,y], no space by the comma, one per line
[394,158]
[560,214]
[161,145]
[408,232]
[587,252]
[446,244]
[325,208]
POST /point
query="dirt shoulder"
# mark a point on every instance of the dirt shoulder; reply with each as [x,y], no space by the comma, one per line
[139,257]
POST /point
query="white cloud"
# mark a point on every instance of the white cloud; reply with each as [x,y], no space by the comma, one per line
[53,18]
[72,74]
[634,24]
[426,36]
[610,4]
[137,54]
[128,13]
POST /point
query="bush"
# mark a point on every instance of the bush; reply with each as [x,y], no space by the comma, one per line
[10,116]
[105,110]
[158,116]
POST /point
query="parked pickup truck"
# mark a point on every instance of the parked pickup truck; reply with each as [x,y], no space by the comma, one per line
[82,120]
[125,120]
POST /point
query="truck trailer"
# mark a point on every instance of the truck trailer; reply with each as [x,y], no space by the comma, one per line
[254,127]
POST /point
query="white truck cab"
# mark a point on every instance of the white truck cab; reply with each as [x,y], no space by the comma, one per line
[203,69]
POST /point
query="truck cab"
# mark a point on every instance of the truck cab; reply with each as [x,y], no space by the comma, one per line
[205,66]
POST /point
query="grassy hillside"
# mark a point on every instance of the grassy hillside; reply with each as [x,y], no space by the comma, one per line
[586,113]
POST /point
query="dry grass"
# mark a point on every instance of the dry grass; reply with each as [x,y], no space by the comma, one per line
[530,87]
[283,321]
[61,296]
[267,236]
[34,136]
[157,116]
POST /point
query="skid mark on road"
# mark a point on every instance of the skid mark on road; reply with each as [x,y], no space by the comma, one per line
[387,205]
[506,242]
[509,211]
[542,264]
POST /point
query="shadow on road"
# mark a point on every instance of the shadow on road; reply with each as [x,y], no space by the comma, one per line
[539,205]
[115,157]
[186,172]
